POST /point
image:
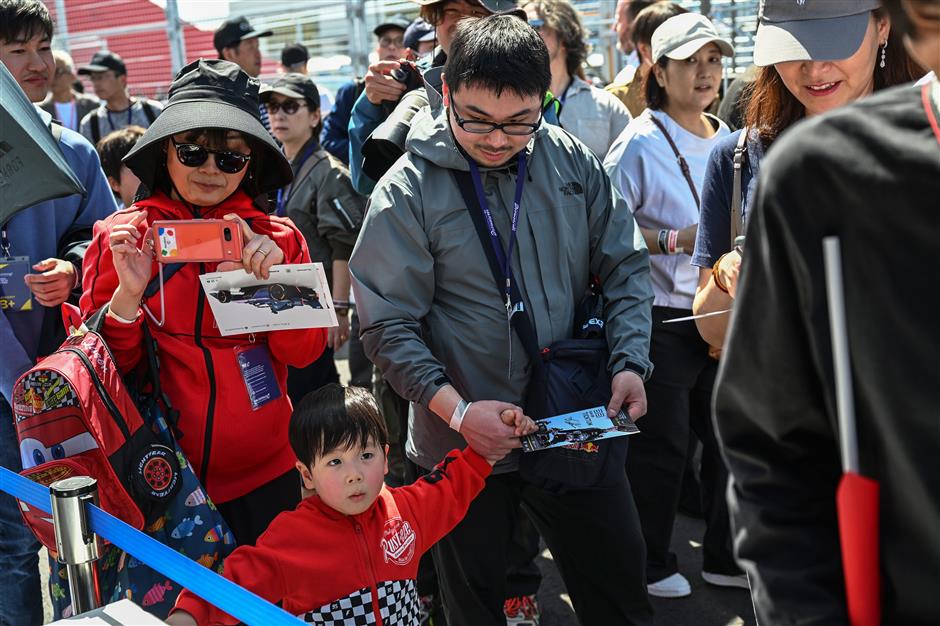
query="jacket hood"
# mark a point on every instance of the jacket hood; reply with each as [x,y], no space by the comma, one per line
[430,137]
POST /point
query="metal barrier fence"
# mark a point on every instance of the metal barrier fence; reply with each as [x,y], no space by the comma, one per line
[157,37]
[78,523]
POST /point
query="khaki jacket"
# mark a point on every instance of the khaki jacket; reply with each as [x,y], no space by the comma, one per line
[325,207]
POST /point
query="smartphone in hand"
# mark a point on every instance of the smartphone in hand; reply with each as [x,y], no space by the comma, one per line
[188,241]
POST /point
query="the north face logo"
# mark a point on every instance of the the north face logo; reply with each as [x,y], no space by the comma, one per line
[398,541]
[571,189]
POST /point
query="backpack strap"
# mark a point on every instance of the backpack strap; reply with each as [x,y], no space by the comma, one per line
[149,111]
[95,129]
[683,164]
[740,153]
[154,285]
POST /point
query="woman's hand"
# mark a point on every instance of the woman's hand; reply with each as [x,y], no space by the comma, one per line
[133,262]
[729,268]
[338,335]
[258,255]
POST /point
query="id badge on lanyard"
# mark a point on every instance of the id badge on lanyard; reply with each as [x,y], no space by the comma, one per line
[257,368]
[15,294]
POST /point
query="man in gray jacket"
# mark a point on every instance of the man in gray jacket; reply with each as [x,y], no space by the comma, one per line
[434,320]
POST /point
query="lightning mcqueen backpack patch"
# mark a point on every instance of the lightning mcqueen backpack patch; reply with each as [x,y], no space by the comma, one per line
[398,541]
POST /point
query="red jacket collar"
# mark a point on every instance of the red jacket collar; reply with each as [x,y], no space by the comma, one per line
[238,202]
[331,513]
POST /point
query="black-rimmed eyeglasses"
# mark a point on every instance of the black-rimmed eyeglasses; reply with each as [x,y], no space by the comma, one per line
[482,128]
[194,155]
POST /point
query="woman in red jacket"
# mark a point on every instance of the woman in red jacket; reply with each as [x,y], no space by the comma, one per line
[207,156]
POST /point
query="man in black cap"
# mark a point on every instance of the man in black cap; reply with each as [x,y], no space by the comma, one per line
[236,41]
[380,86]
[294,58]
[118,109]
[389,46]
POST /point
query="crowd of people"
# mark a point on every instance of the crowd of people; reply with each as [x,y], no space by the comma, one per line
[466,197]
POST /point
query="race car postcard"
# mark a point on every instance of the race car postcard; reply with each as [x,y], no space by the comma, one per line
[577,428]
[293,296]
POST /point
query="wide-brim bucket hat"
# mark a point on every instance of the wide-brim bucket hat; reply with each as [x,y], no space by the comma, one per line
[810,30]
[212,93]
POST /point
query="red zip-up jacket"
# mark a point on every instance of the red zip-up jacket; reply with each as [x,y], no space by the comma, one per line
[233,448]
[334,569]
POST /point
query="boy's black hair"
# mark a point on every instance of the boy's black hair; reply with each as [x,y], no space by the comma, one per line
[114,146]
[21,20]
[496,53]
[651,18]
[334,417]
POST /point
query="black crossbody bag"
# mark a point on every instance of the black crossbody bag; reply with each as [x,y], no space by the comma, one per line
[569,375]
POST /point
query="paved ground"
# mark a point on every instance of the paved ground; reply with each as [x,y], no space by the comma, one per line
[707,606]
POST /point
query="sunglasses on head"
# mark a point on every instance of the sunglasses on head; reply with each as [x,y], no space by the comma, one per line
[289,107]
[194,155]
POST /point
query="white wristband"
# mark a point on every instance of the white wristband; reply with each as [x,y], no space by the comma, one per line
[456,418]
[120,319]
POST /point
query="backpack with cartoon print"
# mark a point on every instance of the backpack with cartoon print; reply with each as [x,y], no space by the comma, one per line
[75,416]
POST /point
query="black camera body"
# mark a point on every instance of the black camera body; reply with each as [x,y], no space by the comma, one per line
[408,75]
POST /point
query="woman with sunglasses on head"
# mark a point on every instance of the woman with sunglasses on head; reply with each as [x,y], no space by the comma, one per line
[322,203]
[644,163]
[206,157]
[813,58]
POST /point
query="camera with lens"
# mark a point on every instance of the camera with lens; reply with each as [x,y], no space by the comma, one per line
[408,75]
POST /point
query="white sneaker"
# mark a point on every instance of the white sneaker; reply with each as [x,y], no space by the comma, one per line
[675,586]
[724,580]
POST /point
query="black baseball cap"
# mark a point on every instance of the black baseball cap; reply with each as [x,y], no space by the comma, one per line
[293,86]
[294,54]
[102,61]
[397,21]
[234,31]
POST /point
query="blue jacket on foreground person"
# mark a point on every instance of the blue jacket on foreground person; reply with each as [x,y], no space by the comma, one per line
[36,232]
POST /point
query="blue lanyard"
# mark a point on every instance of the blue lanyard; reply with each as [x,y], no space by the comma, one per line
[284,192]
[505,260]
[130,112]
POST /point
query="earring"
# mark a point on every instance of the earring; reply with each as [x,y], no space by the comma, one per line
[884,54]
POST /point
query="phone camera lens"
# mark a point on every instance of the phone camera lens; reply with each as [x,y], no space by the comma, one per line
[227,233]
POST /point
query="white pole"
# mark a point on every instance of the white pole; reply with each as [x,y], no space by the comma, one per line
[174,30]
[845,401]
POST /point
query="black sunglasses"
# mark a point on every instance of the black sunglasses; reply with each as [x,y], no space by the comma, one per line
[194,155]
[289,106]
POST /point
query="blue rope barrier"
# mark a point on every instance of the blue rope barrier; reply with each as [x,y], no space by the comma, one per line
[221,592]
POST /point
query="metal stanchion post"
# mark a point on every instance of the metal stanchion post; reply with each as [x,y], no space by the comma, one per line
[77,546]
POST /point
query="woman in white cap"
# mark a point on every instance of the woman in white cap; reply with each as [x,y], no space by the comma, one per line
[658,164]
[208,156]
[813,57]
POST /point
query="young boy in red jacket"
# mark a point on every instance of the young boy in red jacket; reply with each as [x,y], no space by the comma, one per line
[351,550]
